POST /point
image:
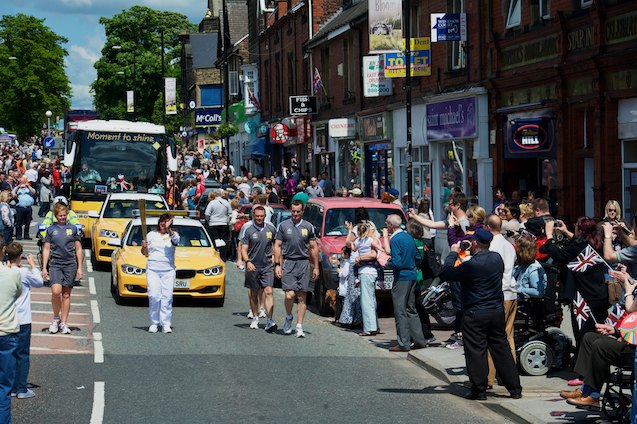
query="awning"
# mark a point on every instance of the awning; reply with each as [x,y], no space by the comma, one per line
[255,149]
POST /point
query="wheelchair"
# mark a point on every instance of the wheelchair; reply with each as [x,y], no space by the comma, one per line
[617,399]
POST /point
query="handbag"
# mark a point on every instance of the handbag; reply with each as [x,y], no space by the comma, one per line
[615,291]
[430,265]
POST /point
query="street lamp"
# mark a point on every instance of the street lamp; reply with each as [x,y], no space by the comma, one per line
[48,123]
[117,48]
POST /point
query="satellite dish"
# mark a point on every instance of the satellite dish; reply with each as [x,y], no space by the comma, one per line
[192,104]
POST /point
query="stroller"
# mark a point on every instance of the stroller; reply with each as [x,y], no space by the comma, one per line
[436,301]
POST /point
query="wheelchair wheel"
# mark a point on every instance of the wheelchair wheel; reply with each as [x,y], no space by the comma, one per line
[535,358]
[615,405]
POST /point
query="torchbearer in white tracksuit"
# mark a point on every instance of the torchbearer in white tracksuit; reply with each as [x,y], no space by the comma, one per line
[159,246]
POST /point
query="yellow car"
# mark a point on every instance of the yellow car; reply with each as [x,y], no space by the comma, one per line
[201,273]
[117,211]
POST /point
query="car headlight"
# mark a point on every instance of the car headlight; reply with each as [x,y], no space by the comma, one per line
[108,233]
[132,270]
[215,270]
[334,259]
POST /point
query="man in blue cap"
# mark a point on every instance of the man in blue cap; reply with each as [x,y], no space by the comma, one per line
[394,194]
[483,314]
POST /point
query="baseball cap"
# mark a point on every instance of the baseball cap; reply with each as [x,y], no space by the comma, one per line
[393,192]
[482,236]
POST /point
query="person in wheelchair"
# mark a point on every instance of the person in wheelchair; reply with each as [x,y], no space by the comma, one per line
[600,350]
[528,273]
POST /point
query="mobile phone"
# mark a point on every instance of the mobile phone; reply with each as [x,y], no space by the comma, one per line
[625,230]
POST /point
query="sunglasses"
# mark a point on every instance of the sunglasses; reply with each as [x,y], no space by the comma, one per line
[612,210]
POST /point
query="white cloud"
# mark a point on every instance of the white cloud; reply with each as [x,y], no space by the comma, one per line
[84,53]
[77,3]
[81,97]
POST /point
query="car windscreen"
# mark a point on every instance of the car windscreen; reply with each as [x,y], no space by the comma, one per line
[124,208]
[189,236]
[335,219]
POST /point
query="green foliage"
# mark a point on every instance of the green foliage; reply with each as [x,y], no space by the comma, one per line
[137,64]
[35,81]
[227,129]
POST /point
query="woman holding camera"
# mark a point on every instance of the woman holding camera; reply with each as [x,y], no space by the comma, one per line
[588,281]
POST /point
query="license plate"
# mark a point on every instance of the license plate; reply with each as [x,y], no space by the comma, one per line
[182,284]
[389,281]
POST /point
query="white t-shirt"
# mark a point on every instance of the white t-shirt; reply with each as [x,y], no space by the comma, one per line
[161,251]
[30,278]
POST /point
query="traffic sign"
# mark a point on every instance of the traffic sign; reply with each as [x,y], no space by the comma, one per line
[303,105]
[49,142]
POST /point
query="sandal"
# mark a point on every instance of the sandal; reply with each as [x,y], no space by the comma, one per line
[368,333]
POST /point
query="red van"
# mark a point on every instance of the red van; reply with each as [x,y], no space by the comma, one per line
[328,215]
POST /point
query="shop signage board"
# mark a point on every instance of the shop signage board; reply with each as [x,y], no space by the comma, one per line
[452,119]
[207,117]
[528,136]
[385,25]
[279,133]
[303,105]
[448,27]
[342,128]
[395,63]
[374,82]
[373,127]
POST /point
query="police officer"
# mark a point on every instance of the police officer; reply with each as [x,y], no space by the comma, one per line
[295,243]
[61,244]
[483,326]
[256,250]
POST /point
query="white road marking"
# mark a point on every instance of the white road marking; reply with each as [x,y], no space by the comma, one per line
[49,322]
[97,415]
[66,336]
[91,285]
[87,252]
[48,294]
[98,348]
[49,313]
[96,312]
[42,302]
[51,349]
[89,266]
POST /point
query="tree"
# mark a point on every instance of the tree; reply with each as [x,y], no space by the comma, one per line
[32,75]
[131,60]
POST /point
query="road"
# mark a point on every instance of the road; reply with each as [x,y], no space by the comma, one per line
[214,369]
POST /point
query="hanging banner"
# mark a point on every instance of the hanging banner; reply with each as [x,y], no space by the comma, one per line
[130,101]
[374,82]
[385,25]
[170,96]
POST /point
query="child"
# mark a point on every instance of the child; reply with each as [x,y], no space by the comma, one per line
[529,274]
[30,278]
[343,275]
[363,245]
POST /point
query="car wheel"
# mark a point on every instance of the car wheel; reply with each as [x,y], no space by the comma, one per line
[115,292]
[324,308]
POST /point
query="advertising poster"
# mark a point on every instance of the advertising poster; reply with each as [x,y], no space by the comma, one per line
[385,25]
[374,82]
[130,101]
[170,98]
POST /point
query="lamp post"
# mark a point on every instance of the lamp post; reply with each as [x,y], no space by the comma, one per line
[48,126]
[118,48]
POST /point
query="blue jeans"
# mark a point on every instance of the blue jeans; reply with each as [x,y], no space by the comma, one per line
[23,359]
[8,345]
[368,301]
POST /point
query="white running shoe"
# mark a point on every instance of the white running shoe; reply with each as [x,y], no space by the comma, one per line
[262,313]
[152,328]
[287,326]
[250,314]
[64,328]
[299,332]
[166,329]
[26,395]
[55,326]
[255,323]
[271,326]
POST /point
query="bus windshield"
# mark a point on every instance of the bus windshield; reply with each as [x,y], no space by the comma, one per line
[119,162]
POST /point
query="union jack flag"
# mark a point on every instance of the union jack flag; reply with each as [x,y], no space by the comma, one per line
[253,99]
[616,315]
[317,83]
[581,310]
[586,259]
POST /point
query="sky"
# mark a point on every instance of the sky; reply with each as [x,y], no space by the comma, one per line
[78,21]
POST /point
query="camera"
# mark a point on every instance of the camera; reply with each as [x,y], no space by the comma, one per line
[625,230]
[558,224]
[465,245]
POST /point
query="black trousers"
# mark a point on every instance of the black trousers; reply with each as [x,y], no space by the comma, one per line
[22,220]
[482,331]
[220,232]
[596,354]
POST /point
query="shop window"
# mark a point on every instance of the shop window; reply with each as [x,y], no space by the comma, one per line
[586,3]
[414,21]
[325,72]
[514,15]
[629,203]
[459,169]
[233,86]
[290,75]
[421,169]
[349,68]
[349,163]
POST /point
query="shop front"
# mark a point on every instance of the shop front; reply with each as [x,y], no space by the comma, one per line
[378,169]
[345,164]
[458,136]
[290,144]
[530,151]
[627,134]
